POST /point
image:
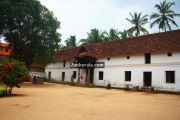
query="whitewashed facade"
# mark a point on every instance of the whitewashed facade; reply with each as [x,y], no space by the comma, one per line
[162,72]
[115,68]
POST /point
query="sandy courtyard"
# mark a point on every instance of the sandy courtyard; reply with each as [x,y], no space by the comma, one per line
[62,102]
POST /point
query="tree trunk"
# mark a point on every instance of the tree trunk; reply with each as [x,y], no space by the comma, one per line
[9,90]
[165,28]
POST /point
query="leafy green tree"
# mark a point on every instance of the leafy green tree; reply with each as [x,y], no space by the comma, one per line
[165,16]
[94,36]
[113,34]
[137,21]
[71,42]
[31,28]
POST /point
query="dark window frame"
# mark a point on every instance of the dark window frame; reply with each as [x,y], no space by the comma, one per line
[128,76]
[74,74]
[170,77]
[101,75]
[147,58]
[49,75]
[64,63]
[63,76]
[128,57]
[169,54]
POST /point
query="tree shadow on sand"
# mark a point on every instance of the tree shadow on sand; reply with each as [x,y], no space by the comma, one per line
[13,95]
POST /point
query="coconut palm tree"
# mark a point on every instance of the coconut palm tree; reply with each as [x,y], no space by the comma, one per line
[165,16]
[125,34]
[94,36]
[113,34]
[71,42]
[138,21]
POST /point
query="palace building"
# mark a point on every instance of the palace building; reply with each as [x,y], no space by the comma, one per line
[146,61]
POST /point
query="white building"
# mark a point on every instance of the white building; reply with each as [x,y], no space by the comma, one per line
[150,60]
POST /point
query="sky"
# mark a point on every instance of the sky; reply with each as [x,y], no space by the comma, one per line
[78,17]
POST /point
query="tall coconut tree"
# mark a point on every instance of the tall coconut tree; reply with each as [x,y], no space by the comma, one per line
[165,16]
[138,22]
[71,42]
[113,34]
[94,36]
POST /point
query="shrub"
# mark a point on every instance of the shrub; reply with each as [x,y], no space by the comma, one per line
[12,74]
[3,91]
[108,86]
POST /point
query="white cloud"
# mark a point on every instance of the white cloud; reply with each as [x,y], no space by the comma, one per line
[77,17]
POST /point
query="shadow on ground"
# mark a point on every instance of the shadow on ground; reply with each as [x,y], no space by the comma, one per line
[13,95]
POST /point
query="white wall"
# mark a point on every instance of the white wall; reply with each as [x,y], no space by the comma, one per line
[139,60]
[57,69]
[116,76]
[39,74]
[115,68]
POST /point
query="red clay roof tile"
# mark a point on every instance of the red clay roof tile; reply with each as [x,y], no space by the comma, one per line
[153,43]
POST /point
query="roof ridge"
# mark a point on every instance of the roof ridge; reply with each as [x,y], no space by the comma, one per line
[152,43]
[135,37]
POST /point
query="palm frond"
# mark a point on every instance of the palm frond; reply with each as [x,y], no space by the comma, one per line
[162,25]
[175,14]
[144,30]
[154,15]
[173,22]
[157,21]
[169,4]
[158,8]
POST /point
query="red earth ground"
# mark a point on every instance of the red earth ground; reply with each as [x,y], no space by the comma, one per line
[62,102]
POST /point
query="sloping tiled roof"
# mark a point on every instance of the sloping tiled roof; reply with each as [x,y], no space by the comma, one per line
[5,45]
[153,43]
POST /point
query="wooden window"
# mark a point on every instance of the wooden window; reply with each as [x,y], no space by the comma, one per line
[100,75]
[147,58]
[170,76]
[64,63]
[7,50]
[74,74]
[49,75]
[169,54]
[63,76]
[127,75]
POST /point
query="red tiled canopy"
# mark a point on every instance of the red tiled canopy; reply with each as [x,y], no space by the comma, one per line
[153,43]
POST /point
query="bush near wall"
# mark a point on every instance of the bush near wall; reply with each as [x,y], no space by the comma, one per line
[12,74]
[3,91]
